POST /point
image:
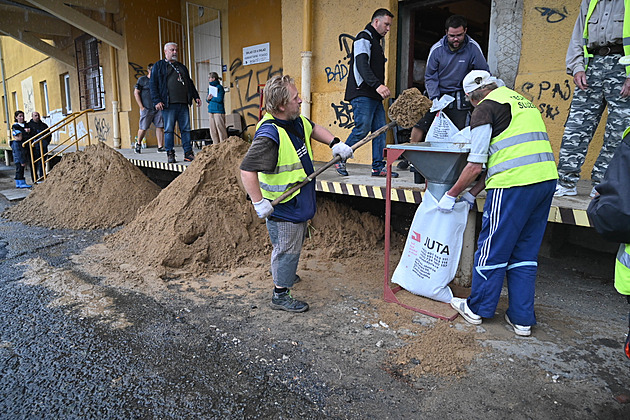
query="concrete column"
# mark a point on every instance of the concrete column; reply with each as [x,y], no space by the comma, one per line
[466,262]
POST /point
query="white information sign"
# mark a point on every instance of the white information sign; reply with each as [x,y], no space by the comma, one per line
[256,54]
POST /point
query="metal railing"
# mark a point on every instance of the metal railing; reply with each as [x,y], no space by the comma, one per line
[75,136]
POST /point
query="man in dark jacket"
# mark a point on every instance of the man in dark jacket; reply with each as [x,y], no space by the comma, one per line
[450,60]
[172,91]
[37,126]
[366,89]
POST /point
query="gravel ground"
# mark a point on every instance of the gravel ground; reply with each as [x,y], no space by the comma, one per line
[88,349]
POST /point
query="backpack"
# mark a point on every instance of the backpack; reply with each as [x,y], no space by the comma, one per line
[609,212]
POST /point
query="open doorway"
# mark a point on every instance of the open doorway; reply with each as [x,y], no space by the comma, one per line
[421,24]
[204,43]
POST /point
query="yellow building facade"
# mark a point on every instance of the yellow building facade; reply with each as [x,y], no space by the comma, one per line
[247,41]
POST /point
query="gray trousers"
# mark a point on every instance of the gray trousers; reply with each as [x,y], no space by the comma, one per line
[287,239]
[605,77]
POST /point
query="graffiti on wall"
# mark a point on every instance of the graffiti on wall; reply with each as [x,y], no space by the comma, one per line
[28,97]
[552,15]
[546,95]
[246,83]
[139,71]
[102,128]
[342,111]
[339,71]
[343,115]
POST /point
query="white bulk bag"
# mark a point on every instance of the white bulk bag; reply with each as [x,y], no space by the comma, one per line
[431,255]
[442,128]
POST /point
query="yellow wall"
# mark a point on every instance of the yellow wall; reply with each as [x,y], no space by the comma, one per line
[247,31]
[334,27]
[542,76]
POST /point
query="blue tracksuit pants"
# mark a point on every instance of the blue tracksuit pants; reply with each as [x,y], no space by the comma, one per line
[512,228]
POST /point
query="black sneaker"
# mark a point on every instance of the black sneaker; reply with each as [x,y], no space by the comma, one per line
[161,149]
[403,164]
[285,302]
[189,156]
[341,168]
[171,156]
[383,173]
[138,148]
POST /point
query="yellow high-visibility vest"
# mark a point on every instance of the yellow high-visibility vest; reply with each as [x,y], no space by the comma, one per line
[289,170]
[521,154]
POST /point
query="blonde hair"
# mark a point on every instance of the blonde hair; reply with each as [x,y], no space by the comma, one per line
[276,92]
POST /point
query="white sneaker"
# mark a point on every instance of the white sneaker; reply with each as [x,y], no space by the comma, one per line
[564,191]
[461,306]
[593,193]
[522,330]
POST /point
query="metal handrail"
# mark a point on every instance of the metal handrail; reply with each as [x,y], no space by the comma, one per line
[72,140]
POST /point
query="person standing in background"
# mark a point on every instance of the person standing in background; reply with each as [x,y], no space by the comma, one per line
[216,109]
[148,113]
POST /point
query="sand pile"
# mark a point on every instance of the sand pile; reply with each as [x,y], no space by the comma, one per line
[442,350]
[204,222]
[344,231]
[91,189]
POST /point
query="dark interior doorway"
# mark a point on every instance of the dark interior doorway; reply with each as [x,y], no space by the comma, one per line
[421,24]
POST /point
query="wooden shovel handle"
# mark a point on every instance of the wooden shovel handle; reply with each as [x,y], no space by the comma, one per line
[331,163]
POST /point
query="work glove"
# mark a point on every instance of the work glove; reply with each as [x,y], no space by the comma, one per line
[342,150]
[446,204]
[263,208]
[468,198]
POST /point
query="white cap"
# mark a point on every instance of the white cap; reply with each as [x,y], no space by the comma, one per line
[477,78]
[625,60]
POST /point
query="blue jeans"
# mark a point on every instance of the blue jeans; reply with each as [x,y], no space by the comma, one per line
[369,116]
[179,113]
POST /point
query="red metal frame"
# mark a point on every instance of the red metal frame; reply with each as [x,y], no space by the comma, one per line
[389,294]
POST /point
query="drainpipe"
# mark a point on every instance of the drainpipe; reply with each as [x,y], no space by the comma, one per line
[6,105]
[307,56]
[115,107]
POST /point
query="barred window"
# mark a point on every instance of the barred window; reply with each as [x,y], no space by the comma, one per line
[91,89]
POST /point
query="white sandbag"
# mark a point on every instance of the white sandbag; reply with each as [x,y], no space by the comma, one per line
[431,255]
[442,129]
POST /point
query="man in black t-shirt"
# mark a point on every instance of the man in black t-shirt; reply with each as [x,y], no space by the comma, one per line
[148,113]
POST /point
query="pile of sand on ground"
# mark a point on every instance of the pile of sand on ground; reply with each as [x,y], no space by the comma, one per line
[344,231]
[204,222]
[442,350]
[91,189]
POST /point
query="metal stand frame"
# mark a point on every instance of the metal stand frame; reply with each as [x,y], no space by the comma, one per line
[389,294]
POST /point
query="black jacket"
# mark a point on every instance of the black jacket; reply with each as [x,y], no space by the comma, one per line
[158,83]
[367,65]
[37,128]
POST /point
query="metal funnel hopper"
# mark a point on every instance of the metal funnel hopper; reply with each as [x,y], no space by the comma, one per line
[439,163]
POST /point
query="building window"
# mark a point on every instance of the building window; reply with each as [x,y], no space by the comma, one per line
[66,101]
[43,91]
[15,101]
[91,90]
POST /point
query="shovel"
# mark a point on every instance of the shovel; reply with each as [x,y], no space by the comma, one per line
[406,110]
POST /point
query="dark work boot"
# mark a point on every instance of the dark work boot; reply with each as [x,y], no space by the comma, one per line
[189,156]
[285,302]
[170,154]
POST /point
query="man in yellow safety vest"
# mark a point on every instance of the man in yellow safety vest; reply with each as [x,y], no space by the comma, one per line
[510,139]
[279,158]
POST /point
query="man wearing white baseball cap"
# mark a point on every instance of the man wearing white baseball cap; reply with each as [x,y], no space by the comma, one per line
[509,138]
